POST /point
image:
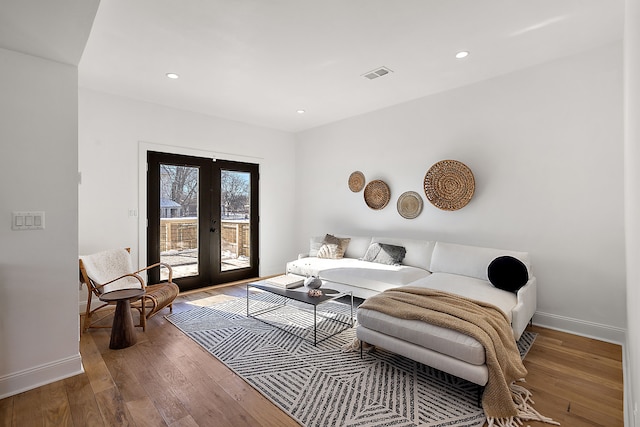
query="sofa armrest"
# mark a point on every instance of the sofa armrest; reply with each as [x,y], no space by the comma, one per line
[525,307]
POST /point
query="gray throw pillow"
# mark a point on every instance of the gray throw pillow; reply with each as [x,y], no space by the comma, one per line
[384,253]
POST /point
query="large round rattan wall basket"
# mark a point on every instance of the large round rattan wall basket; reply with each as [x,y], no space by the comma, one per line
[377,194]
[449,185]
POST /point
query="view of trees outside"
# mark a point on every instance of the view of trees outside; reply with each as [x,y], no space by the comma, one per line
[179,212]
[234,195]
[179,184]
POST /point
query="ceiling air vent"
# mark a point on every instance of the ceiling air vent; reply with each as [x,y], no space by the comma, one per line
[378,72]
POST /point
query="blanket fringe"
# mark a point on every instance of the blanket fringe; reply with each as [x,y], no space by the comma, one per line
[526,412]
[354,345]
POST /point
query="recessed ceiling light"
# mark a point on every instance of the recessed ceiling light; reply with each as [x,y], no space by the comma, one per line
[301,111]
[462,54]
[172,75]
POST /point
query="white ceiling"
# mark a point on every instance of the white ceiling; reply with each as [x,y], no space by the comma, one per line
[55,30]
[259,61]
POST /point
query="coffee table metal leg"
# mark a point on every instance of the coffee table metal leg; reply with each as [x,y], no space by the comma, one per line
[315,326]
[352,309]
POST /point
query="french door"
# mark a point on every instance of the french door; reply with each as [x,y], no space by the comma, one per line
[202,219]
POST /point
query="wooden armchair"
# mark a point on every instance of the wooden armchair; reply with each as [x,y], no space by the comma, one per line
[113,270]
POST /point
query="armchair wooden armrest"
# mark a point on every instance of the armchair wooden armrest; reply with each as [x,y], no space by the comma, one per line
[158,264]
[134,275]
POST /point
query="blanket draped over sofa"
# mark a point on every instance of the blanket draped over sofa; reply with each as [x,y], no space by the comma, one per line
[503,402]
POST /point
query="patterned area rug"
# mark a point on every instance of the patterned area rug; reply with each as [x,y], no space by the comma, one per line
[323,385]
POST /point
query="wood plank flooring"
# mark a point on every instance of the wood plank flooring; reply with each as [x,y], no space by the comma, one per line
[166,379]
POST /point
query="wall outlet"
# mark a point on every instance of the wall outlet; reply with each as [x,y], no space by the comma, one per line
[133,212]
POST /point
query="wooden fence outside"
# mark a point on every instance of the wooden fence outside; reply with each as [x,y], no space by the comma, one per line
[182,233]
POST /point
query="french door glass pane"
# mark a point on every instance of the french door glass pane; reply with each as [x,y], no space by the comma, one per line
[179,220]
[235,214]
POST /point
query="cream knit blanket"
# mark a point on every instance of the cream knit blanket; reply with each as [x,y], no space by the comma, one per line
[504,402]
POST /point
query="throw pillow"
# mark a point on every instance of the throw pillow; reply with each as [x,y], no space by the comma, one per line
[384,253]
[328,250]
[342,243]
[507,273]
[315,243]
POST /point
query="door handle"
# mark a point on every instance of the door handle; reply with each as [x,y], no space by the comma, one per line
[213,230]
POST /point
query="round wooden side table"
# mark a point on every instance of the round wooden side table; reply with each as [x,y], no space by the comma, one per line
[123,334]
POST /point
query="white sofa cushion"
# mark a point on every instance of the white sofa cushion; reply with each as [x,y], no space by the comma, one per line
[442,340]
[477,374]
[470,287]
[357,273]
[436,338]
[469,261]
[418,251]
[315,243]
[357,246]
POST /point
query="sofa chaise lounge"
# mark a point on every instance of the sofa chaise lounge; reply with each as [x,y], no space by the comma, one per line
[449,267]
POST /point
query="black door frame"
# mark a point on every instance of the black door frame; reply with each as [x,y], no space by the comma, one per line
[208,219]
[254,258]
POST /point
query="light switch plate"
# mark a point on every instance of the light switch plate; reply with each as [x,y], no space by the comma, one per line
[31,220]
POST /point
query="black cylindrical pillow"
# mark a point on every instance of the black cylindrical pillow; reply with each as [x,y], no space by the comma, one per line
[508,273]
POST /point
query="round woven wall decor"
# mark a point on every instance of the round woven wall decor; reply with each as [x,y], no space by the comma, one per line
[356,181]
[409,204]
[377,194]
[449,185]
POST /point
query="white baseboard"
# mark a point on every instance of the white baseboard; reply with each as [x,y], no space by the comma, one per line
[581,327]
[31,378]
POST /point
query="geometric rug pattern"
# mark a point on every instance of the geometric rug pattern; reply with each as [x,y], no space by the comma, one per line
[323,385]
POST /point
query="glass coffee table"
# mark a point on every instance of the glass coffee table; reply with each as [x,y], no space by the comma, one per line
[309,304]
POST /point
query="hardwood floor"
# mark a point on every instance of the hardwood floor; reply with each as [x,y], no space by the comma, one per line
[166,379]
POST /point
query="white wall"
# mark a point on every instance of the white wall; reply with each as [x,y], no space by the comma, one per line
[113,134]
[38,269]
[632,199]
[546,147]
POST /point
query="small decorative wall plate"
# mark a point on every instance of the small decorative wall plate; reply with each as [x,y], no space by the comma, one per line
[377,194]
[449,185]
[356,181]
[409,204]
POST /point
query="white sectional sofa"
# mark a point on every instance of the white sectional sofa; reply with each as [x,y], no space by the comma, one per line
[449,267]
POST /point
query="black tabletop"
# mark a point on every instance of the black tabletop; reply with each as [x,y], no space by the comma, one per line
[298,294]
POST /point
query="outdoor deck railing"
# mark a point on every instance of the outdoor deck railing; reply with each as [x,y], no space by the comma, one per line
[182,234]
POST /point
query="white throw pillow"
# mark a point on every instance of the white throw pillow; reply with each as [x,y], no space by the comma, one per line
[357,246]
[471,261]
[315,243]
[329,251]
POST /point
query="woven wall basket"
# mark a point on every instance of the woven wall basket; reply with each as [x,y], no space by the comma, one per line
[449,185]
[356,181]
[409,204]
[377,194]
